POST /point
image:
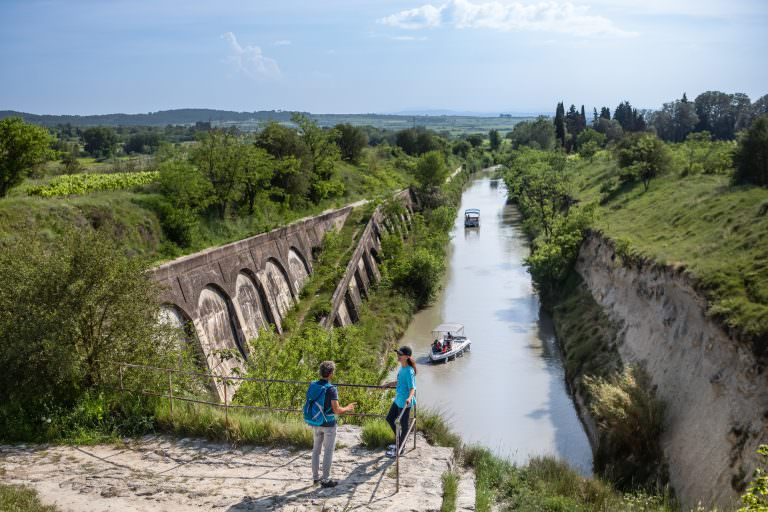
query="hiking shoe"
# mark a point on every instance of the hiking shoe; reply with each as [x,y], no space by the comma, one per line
[391,453]
[391,447]
[329,483]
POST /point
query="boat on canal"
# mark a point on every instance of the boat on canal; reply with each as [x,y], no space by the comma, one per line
[472,218]
[449,343]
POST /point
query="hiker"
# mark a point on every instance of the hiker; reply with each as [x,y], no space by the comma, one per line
[320,412]
[404,396]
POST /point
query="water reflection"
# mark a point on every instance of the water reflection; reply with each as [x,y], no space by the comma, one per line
[509,393]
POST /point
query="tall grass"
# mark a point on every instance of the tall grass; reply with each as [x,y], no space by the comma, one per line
[377,434]
[14,498]
[241,427]
[450,491]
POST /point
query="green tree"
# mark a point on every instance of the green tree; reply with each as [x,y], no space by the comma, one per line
[611,128]
[495,139]
[218,155]
[538,134]
[431,170]
[589,141]
[69,309]
[560,124]
[99,141]
[257,173]
[70,163]
[642,156]
[461,148]
[352,140]
[698,147]
[146,142]
[320,158]
[281,141]
[751,157]
[22,146]
[475,139]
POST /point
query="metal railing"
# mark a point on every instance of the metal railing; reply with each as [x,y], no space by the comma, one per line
[226,405]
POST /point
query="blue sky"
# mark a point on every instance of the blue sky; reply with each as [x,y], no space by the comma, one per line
[101,56]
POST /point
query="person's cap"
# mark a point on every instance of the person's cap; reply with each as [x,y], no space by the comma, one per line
[404,351]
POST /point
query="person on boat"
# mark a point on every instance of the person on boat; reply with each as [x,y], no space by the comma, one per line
[320,412]
[405,397]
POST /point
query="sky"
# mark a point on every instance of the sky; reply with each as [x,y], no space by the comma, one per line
[360,56]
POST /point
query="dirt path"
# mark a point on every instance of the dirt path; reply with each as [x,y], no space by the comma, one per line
[165,474]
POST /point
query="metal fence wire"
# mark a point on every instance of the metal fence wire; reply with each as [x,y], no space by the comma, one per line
[227,380]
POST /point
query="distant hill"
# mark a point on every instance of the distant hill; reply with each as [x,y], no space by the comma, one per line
[160,118]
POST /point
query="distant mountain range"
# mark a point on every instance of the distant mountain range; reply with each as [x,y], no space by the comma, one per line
[185,116]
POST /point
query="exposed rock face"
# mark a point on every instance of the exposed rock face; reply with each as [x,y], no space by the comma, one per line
[715,393]
[164,474]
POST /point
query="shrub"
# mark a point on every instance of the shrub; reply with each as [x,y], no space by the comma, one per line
[80,184]
[450,491]
[630,419]
[642,156]
[755,499]
[418,274]
[21,499]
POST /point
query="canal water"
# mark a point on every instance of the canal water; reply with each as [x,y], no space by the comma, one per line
[509,392]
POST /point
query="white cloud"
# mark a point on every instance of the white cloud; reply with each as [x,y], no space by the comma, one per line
[282,42]
[544,16]
[250,60]
[408,38]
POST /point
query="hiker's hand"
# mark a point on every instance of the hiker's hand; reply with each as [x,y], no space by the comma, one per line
[408,402]
[351,407]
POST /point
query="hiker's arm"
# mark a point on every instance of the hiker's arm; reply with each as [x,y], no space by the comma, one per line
[410,396]
[337,409]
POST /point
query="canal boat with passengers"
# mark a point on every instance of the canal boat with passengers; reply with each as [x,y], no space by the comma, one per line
[472,218]
[449,343]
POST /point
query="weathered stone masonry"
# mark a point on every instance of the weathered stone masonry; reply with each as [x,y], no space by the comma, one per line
[228,293]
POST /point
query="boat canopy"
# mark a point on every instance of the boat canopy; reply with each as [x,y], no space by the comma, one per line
[453,329]
[471,211]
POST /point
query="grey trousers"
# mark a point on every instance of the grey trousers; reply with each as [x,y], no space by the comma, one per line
[325,439]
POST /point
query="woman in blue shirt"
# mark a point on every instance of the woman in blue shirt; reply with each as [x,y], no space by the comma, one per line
[404,396]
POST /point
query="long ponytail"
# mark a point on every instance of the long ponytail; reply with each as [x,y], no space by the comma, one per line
[412,364]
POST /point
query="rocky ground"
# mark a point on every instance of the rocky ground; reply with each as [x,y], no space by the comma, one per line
[158,473]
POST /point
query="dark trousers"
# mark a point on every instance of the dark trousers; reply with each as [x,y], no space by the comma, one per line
[394,411]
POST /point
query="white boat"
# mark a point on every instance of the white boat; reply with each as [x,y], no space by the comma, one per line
[449,343]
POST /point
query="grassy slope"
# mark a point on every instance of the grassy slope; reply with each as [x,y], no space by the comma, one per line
[15,498]
[718,232]
[138,227]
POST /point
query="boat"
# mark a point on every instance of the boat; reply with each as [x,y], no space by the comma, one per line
[450,343]
[472,218]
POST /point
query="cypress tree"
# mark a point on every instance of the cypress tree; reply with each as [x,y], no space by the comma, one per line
[560,123]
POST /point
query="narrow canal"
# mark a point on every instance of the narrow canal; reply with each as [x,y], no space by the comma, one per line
[509,392]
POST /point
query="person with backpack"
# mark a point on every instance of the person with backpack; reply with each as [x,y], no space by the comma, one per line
[320,410]
[405,397]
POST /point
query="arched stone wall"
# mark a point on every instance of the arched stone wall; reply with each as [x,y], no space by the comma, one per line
[298,267]
[278,286]
[249,299]
[218,330]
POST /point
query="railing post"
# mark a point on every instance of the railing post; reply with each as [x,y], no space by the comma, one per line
[170,391]
[226,405]
[414,426]
[397,454]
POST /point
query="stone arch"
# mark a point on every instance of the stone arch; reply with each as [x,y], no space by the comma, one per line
[298,267]
[176,318]
[351,307]
[279,287]
[218,329]
[358,277]
[251,299]
[369,267]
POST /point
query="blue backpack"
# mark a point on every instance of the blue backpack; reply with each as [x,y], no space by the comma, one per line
[314,407]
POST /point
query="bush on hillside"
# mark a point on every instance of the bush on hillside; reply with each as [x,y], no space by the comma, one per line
[630,419]
[66,312]
[642,157]
[751,157]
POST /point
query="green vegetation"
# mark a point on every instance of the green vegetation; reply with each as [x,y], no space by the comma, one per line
[377,434]
[450,491]
[755,499]
[236,426]
[21,499]
[752,154]
[21,146]
[80,184]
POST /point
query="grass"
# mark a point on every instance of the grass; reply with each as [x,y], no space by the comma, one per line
[241,427]
[699,223]
[15,498]
[450,491]
[377,434]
